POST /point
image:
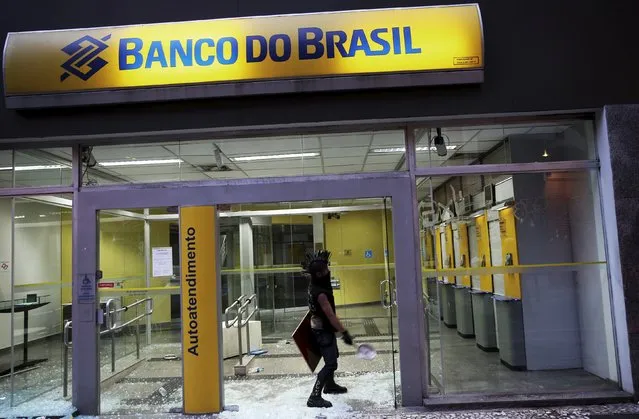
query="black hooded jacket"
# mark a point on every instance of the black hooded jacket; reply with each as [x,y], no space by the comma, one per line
[316,287]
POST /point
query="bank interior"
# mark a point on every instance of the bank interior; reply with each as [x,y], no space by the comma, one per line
[515,280]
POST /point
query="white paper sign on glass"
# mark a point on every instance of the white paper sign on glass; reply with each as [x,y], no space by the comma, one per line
[162,261]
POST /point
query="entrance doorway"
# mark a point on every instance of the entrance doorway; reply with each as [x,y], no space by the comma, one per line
[261,247]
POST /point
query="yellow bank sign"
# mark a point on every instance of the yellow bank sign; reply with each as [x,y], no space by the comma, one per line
[423,39]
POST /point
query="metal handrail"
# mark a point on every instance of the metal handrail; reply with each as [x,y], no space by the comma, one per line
[229,308]
[244,309]
[245,323]
[240,314]
[125,308]
[108,315]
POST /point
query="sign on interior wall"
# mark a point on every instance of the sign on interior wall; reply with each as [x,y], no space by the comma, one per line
[420,40]
[162,261]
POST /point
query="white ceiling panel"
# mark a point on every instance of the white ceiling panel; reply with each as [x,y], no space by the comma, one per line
[388,138]
[6,159]
[199,148]
[65,153]
[478,147]
[170,177]
[310,142]
[285,172]
[490,135]
[194,176]
[344,161]
[280,164]
[379,167]
[384,158]
[250,148]
[514,131]
[232,174]
[344,152]
[427,158]
[551,129]
[153,170]
[346,140]
[355,168]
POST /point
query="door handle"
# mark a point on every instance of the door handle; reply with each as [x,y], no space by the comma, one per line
[382,292]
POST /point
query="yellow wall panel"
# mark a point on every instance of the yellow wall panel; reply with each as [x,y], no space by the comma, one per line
[66,256]
[483,244]
[464,255]
[438,249]
[348,238]
[450,252]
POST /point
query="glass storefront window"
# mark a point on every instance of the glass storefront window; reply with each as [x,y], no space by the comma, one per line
[35,293]
[6,168]
[325,154]
[35,167]
[516,284]
[508,143]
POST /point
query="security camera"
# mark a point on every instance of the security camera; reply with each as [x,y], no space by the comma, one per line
[439,143]
[86,156]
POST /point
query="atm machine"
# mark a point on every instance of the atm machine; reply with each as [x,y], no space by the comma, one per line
[507,299]
[449,312]
[482,292]
[462,287]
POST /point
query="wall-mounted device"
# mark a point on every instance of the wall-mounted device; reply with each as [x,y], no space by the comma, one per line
[509,259]
[462,261]
[489,195]
[439,143]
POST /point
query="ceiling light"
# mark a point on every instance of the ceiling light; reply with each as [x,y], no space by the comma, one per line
[545,153]
[139,162]
[275,156]
[19,217]
[402,149]
[389,150]
[36,167]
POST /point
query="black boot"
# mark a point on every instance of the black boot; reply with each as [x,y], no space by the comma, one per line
[332,387]
[316,400]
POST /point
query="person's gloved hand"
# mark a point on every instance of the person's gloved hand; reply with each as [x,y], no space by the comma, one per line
[347,338]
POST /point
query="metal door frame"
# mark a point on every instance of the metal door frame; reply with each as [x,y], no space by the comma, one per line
[399,187]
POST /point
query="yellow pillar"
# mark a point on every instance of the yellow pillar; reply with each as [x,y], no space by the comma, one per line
[201,316]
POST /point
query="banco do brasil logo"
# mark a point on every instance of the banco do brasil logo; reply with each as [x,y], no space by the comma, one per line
[85,58]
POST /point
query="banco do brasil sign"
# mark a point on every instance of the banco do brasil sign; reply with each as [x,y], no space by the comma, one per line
[318,45]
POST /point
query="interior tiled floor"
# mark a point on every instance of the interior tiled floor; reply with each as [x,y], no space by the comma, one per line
[467,369]
[154,384]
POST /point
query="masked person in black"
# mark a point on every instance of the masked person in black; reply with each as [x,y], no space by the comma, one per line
[325,325]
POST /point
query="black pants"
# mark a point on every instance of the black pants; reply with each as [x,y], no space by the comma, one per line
[327,343]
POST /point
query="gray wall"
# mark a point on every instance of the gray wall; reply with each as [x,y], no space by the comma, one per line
[593,294]
[620,185]
[549,300]
[540,56]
